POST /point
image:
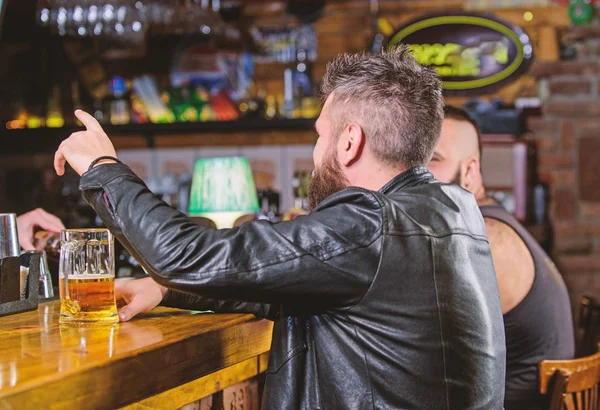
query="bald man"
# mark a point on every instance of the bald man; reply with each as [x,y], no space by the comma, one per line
[535,303]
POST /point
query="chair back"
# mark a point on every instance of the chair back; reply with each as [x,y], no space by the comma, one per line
[571,384]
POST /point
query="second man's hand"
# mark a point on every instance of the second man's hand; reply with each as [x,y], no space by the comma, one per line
[83,147]
[38,218]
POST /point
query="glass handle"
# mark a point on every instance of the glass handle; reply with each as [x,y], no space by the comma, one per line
[67,257]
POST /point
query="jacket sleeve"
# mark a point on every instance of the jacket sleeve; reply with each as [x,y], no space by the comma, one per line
[181,300]
[328,258]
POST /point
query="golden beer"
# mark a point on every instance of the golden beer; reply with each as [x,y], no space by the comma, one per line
[88,298]
[87,277]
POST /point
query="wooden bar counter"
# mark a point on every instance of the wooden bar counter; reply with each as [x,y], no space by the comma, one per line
[162,359]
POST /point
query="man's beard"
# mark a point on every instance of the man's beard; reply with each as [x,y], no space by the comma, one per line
[327,181]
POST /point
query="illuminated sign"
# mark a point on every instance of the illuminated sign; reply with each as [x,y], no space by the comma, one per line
[470,52]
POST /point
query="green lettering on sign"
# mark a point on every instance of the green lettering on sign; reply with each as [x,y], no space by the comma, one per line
[449,60]
[468,51]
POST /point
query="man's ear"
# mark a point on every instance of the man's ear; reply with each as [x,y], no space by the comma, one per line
[351,144]
[472,172]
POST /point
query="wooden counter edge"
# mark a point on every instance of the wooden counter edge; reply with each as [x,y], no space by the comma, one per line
[132,379]
[204,386]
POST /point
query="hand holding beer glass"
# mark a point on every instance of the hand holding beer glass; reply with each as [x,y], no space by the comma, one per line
[87,277]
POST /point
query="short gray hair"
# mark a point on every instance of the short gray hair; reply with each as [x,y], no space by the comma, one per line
[397,102]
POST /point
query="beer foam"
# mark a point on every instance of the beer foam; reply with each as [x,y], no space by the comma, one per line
[89,276]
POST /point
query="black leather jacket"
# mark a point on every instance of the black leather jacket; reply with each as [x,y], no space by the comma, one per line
[381,300]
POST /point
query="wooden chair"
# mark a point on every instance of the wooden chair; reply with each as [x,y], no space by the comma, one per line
[573,384]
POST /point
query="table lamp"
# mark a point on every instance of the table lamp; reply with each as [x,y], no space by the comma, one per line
[222,190]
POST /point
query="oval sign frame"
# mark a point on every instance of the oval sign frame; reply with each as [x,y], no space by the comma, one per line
[515,34]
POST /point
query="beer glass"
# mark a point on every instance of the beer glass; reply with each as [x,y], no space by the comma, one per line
[87,277]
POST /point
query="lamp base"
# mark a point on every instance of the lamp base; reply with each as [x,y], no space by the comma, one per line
[222,219]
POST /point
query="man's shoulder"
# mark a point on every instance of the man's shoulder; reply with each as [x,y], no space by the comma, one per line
[513,262]
[503,236]
[353,215]
[498,228]
[436,208]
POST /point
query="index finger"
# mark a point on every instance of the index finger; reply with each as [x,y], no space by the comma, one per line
[88,121]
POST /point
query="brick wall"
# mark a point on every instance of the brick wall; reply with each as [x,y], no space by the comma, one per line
[568,142]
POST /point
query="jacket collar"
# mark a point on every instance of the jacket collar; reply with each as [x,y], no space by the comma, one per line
[413,176]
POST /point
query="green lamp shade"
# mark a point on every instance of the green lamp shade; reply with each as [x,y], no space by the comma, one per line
[222,186]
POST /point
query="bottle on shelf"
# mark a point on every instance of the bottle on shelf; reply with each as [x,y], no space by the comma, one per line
[289,106]
[304,88]
[253,104]
[271,110]
[19,121]
[138,110]
[98,111]
[36,118]
[54,116]
[299,186]
[303,74]
[298,87]
[119,103]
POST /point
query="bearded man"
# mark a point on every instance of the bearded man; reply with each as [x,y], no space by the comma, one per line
[383,297]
